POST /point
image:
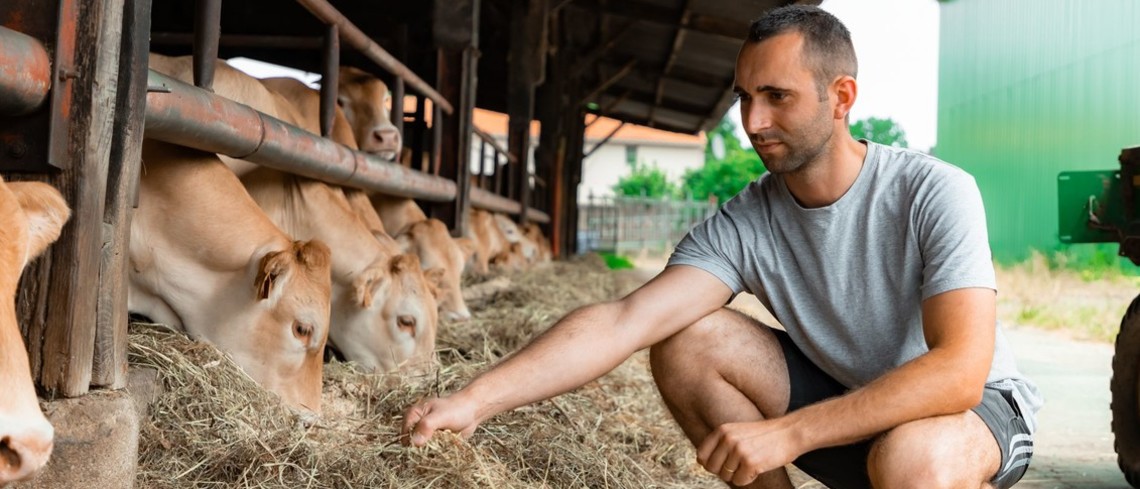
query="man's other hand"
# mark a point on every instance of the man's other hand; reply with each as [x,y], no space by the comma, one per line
[422,420]
[740,452]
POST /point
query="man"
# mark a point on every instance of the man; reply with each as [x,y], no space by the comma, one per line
[893,372]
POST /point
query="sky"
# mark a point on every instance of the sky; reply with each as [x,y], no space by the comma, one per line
[896,43]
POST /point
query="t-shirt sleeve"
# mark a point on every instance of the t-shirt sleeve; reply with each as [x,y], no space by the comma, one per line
[951,223]
[715,247]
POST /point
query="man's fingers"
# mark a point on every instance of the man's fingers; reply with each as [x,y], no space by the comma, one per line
[423,431]
[707,447]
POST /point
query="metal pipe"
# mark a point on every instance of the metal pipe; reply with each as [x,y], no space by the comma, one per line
[436,139]
[207,30]
[240,40]
[330,79]
[494,144]
[359,40]
[483,164]
[192,117]
[398,105]
[25,73]
[495,203]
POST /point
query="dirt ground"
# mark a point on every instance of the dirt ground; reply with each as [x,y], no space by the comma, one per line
[1073,446]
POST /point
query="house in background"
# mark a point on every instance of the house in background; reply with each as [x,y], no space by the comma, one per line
[672,152]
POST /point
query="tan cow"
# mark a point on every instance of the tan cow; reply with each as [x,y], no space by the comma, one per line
[534,232]
[206,260]
[367,105]
[31,217]
[426,238]
[526,249]
[384,310]
[487,237]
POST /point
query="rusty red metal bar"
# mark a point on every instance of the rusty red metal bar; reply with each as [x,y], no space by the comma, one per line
[356,38]
[188,116]
[25,73]
[484,199]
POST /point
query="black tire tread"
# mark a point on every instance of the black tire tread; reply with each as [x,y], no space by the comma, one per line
[1125,386]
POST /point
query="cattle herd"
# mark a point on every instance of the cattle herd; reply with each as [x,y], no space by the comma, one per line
[270,267]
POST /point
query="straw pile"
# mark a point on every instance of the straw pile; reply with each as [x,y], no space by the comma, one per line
[212,427]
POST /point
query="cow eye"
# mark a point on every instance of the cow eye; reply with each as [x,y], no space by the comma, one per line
[302,330]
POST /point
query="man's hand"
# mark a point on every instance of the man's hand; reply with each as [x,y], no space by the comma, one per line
[422,420]
[740,452]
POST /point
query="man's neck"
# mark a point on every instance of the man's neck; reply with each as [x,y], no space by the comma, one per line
[823,183]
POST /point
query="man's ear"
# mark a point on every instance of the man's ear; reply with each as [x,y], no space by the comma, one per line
[845,90]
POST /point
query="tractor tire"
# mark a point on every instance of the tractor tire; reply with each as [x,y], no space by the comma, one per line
[1125,388]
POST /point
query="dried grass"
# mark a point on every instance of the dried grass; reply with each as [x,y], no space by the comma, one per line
[212,427]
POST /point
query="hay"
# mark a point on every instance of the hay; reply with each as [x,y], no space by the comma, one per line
[212,427]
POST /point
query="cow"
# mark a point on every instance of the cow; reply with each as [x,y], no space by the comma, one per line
[204,259]
[526,248]
[487,237]
[534,232]
[31,217]
[428,239]
[366,103]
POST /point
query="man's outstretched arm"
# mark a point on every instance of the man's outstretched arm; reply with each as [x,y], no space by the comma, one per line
[581,347]
[950,378]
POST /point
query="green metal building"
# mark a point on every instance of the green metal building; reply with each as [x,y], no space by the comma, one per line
[1028,89]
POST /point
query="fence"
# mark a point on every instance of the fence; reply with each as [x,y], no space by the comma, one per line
[624,224]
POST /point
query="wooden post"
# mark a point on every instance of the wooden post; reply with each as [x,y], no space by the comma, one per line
[527,67]
[456,31]
[551,140]
[110,357]
[60,291]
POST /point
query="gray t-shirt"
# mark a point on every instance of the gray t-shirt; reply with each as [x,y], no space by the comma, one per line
[847,280]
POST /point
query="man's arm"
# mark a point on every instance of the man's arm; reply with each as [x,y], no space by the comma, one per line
[581,347]
[959,330]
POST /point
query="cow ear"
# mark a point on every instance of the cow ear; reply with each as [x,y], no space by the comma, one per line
[271,272]
[46,212]
[368,283]
[435,277]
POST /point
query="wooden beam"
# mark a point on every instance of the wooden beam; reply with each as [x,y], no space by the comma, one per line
[609,82]
[109,366]
[527,55]
[60,310]
[591,59]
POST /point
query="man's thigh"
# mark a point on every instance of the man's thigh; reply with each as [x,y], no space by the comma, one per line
[956,450]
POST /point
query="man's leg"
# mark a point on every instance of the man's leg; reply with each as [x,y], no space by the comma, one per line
[725,368]
[953,451]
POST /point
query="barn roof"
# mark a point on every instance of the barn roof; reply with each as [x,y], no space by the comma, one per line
[666,64]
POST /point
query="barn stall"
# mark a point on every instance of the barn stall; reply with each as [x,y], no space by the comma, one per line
[74,110]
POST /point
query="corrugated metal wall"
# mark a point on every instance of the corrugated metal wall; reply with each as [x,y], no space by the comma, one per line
[1030,88]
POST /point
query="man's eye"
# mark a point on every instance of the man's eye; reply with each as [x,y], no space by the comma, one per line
[777,96]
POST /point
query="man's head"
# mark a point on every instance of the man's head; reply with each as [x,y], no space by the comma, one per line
[795,76]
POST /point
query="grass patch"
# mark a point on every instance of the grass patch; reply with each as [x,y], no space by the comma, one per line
[617,262]
[1055,292]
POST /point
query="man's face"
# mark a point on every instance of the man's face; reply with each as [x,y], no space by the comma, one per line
[788,125]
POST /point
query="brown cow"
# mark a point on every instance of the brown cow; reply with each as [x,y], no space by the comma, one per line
[384,311]
[206,260]
[367,105]
[31,217]
[426,238]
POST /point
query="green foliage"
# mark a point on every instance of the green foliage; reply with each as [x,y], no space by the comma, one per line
[723,177]
[645,181]
[616,262]
[882,131]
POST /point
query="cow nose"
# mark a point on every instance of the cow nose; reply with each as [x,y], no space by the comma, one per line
[407,324]
[24,448]
[463,314]
[386,135]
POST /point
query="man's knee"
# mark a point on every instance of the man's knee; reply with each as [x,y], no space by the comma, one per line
[695,345]
[909,457]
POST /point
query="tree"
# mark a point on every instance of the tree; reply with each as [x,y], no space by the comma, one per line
[729,166]
[882,131]
[645,181]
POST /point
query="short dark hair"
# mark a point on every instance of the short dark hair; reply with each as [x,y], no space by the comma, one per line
[827,42]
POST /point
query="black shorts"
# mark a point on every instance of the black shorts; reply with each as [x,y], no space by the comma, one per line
[845,467]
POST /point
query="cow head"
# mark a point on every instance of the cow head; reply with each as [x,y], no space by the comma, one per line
[366,103]
[394,323]
[31,217]
[285,349]
[433,244]
[511,232]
